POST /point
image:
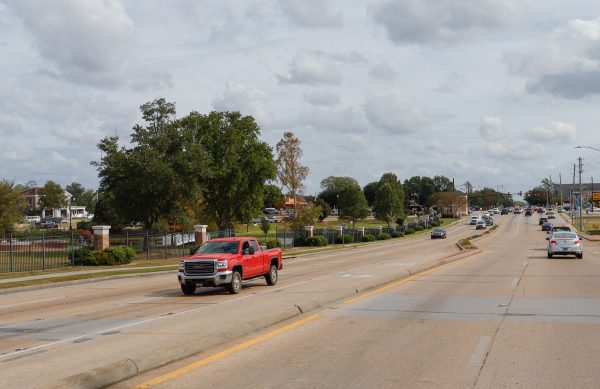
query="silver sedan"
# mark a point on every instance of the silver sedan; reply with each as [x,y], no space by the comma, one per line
[565,243]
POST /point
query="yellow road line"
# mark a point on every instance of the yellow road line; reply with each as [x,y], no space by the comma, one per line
[215,357]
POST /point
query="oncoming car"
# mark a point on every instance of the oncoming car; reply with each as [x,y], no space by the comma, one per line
[565,243]
[438,233]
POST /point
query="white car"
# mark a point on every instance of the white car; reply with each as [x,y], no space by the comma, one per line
[474,220]
[565,243]
[33,219]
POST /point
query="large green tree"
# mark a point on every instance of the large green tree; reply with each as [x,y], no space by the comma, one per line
[370,191]
[12,206]
[389,199]
[151,178]
[443,184]
[352,203]
[52,196]
[238,164]
[422,187]
[332,187]
[273,197]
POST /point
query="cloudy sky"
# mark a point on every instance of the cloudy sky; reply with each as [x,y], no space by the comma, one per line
[492,92]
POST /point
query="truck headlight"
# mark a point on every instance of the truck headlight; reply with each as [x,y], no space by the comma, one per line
[181,265]
[222,264]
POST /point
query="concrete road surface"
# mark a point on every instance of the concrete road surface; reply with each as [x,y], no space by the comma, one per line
[122,326]
[508,317]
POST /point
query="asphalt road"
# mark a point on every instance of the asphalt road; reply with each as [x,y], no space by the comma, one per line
[52,333]
[507,317]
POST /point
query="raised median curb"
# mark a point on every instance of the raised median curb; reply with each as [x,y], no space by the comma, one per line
[124,369]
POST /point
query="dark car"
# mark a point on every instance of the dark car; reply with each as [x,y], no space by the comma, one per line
[542,220]
[546,226]
[504,211]
[528,212]
[438,233]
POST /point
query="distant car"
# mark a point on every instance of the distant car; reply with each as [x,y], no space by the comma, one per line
[559,228]
[474,220]
[271,219]
[48,224]
[504,211]
[542,220]
[547,226]
[33,219]
[270,211]
[489,221]
[565,243]
[438,233]
[551,216]
[528,212]
[481,225]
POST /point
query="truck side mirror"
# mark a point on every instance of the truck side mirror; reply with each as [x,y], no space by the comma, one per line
[251,251]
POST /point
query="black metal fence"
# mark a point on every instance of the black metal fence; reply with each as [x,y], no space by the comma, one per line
[45,250]
[161,245]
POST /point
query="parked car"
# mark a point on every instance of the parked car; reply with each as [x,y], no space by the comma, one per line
[547,226]
[33,219]
[270,211]
[565,243]
[438,233]
[480,225]
[48,223]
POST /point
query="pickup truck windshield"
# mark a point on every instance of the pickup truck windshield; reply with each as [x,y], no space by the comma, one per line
[219,247]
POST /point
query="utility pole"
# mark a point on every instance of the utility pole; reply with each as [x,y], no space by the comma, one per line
[561,192]
[573,197]
[580,196]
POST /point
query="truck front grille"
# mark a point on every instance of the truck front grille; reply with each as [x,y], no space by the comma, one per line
[200,268]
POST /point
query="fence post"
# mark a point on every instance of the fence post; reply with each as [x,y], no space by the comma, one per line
[72,250]
[147,245]
[127,238]
[10,250]
[43,250]
[166,255]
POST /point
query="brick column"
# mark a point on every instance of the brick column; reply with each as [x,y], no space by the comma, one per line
[360,232]
[340,230]
[101,237]
[309,231]
[200,232]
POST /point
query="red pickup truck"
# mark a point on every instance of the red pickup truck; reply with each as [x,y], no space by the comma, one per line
[228,261]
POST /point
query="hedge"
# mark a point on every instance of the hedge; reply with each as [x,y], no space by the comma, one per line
[345,239]
[114,255]
[367,238]
[384,236]
[271,244]
[397,234]
[317,240]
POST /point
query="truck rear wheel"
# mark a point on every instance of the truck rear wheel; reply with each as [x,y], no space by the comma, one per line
[272,276]
[236,283]
[188,288]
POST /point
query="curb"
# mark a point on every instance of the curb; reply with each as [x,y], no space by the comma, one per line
[118,371]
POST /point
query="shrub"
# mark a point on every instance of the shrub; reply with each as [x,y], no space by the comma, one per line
[301,241]
[384,236]
[397,234]
[434,224]
[409,231]
[81,254]
[99,258]
[271,244]
[84,225]
[419,228]
[344,239]
[122,254]
[367,238]
[318,240]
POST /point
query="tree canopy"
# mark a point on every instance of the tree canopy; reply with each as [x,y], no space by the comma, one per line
[12,206]
[389,199]
[290,171]
[52,196]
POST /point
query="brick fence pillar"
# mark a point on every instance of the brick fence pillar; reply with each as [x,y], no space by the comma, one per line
[200,232]
[101,237]
[340,230]
[309,231]
[360,232]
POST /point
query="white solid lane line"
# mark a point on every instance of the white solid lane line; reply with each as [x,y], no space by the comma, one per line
[33,302]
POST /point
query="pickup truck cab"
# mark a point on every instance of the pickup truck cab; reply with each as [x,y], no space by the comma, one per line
[226,262]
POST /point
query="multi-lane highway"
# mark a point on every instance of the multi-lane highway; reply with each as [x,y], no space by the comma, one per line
[505,316]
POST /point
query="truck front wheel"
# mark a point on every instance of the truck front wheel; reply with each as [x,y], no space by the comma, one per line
[188,288]
[236,283]
[272,275]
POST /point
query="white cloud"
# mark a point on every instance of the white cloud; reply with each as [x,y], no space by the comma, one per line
[310,13]
[393,113]
[246,99]
[566,63]
[321,97]
[87,40]
[451,84]
[313,69]
[492,128]
[383,71]
[555,131]
[10,125]
[417,21]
